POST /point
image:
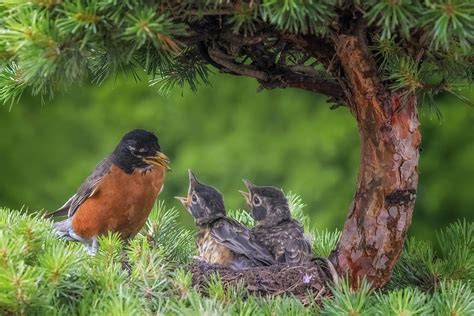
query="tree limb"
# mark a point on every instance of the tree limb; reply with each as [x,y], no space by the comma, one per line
[319,48]
[281,77]
[244,70]
[288,79]
[245,40]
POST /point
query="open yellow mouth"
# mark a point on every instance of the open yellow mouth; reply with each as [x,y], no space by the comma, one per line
[183,200]
[246,196]
[159,160]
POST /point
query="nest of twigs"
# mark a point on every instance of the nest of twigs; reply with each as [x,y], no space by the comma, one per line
[308,282]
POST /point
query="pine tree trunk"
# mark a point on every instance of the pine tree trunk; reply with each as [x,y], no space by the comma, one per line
[381,211]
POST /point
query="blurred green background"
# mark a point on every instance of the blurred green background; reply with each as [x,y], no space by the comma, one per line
[286,138]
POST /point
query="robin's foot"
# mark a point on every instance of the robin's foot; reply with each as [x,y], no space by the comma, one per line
[92,247]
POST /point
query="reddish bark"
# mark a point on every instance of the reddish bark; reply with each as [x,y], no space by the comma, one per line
[381,212]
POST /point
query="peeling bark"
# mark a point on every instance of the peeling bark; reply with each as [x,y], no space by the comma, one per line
[381,211]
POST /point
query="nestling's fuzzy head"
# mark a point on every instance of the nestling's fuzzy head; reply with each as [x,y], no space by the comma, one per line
[204,202]
[268,205]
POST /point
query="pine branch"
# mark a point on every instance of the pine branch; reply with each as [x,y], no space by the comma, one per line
[283,77]
[47,46]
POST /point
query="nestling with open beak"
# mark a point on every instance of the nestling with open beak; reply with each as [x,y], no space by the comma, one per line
[275,229]
[119,194]
[220,239]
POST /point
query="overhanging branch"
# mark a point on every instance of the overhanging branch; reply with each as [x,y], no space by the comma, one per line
[296,76]
[241,69]
[320,49]
[263,55]
[246,40]
[318,84]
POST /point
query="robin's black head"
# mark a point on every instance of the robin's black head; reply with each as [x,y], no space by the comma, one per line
[204,202]
[139,149]
[268,205]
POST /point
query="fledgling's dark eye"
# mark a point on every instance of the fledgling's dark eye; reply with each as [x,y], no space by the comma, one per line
[194,198]
[256,201]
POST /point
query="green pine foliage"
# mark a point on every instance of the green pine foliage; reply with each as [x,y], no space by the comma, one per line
[425,266]
[347,301]
[407,301]
[46,46]
[299,16]
[42,275]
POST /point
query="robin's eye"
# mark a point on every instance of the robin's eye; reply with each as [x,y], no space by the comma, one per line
[194,198]
[256,201]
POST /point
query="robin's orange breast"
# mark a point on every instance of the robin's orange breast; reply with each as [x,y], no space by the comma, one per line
[120,203]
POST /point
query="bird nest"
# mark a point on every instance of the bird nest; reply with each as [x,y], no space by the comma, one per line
[308,282]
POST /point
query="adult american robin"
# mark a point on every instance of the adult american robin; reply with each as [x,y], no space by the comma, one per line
[275,229]
[220,239]
[118,195]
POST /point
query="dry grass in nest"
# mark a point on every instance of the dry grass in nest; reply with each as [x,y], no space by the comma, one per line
[309,281]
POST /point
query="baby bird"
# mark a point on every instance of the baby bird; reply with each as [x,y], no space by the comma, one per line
[220,239]
[275,229]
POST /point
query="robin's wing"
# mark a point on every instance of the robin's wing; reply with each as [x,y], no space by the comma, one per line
[89,187]
[63,210]
[238,238]
[86,190]
[298,251]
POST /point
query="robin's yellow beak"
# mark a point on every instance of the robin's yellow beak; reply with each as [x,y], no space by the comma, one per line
[246,196]
[160,160]
[183,200]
